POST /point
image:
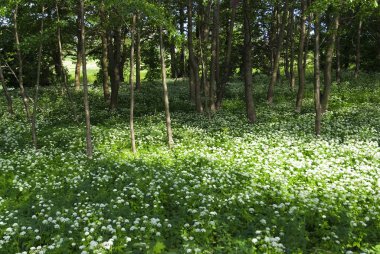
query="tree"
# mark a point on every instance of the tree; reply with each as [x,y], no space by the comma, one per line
[131,87]
[166,94]
[250,107]
[277,53]
[301,69]
[5,90]
[317,81]
[89,151]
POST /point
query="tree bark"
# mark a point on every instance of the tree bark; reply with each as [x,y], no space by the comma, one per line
[317,81]
[193,62]
[63,76]
[250,107]
[20,69]
[338,75]
[5,90]
[35,105]
[301,70]
[215,68]
[166,93]
[276,63]
[227,65]
[138,54]
[132,105]
[291,63]
[85,86]
[357,55]
[104,58]
[173,61]
[79,53]
[182,68]
[114,55]
[328,63]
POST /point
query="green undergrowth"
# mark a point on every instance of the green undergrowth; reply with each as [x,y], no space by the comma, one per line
[226,186]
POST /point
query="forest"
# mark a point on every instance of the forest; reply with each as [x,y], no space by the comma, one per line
[189,126]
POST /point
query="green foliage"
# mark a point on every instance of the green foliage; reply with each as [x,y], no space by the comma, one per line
[226,187]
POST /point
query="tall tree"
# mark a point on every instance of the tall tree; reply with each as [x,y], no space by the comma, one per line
[20,62]
[104,58]
[250,107]
[357,55]
[131,88]
[280,38]
[166,93]
[78,63]
[301,48]
[192,59]
[5,90]
[227,68]
[85,86]
[333,30]
[317,80]
[138,53]
[34,114]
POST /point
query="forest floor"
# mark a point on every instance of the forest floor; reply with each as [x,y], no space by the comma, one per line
[226,187]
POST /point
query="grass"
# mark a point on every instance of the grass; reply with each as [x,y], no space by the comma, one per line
[226,187]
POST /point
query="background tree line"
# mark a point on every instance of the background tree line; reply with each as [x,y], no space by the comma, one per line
[206,42]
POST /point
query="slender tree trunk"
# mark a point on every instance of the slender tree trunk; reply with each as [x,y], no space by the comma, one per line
[183,46]
[328,64]
[338,75]
[35,105]
[166,93]
[215,68]
[317,81]
[250,107]
[20,69]
[61,67]
[132,62]
[173,61]
[193,62]
[301,70]
[79,53]
[104,59]
[276,63]
[5,90]
[291,63]
[114,65]
[221,87]
[85,86]
[138,54]
[357,56]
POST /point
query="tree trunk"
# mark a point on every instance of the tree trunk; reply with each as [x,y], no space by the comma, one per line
[338,75]
[166,94]
[85,86]
[173,61]
[328,63]
[227,65]
[250,107]
[132,106]
[138,54]
[215,69]
[357,55]
[20,69]
[114,55]
[104,59]
[193,62]
[5,89]
[291,63]
[276,63]
[182,67]
[61,67]
[317,81]
[79,53]
[35,105]
[301,70]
